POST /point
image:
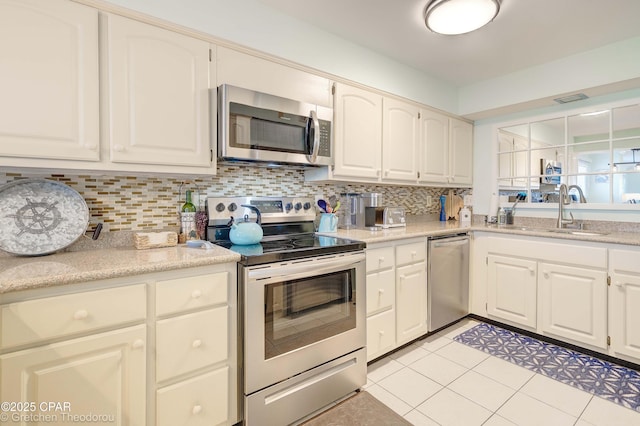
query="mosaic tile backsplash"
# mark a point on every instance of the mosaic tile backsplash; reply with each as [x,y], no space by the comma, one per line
[151,203]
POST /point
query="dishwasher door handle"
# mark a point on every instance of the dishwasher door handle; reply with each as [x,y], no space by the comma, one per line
[451,243]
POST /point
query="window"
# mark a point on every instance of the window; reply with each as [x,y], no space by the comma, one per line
[598,150]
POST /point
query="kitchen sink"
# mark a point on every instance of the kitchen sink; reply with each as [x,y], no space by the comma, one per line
[559,231]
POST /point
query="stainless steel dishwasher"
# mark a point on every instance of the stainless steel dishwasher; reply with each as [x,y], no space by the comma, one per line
[447,280]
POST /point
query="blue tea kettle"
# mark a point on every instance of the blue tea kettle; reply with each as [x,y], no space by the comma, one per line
[246,233]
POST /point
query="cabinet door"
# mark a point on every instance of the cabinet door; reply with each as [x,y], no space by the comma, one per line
[399,141]
[411,302]
[434,147]
[574,303]
[49,80]
[461,152]
[511,289]
[380,290]
[158,95]
[381,333]
[102,374]
[624,313]
[358,133]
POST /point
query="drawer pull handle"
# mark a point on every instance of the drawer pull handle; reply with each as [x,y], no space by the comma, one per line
[138,344]
[81,314]
[196,409]
[380,259]
[196,343]
[196,294]
[381,290]
[413,253]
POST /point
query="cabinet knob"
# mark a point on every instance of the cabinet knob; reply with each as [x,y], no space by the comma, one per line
[532,270]
[81,314]
[138,344]
[378,172]
[413,253]
[618,283]
[91,146]
[196,294]
[118,148]
[546,274]
[381,290]
[381,332]
[402,277]
[196,343]
[386,172]
[196,409]
[380,259]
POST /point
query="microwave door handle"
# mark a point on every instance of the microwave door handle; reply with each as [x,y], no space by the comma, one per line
[316,137]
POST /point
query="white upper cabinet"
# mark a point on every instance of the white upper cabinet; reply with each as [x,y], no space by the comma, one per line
[158,97]
[461,152]
[48,80]
[357,133]
[434,147]
[262,75]
[446,150]
[400,137]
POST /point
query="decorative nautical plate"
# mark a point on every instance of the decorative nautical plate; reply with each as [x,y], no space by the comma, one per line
[39,216]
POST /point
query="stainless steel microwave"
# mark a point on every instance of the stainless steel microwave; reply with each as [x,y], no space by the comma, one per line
[258,127]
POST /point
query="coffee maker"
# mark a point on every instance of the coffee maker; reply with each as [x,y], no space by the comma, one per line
[370,201]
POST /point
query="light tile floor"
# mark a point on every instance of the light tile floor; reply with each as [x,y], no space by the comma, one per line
[437,381]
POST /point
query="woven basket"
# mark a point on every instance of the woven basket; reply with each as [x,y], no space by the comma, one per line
[147,240]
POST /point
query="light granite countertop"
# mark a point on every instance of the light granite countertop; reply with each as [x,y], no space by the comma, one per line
[23,273]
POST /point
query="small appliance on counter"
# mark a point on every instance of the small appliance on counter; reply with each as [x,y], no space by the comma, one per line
[390,217]
[370,201]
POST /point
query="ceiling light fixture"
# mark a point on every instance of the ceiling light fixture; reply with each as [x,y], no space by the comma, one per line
[453,17]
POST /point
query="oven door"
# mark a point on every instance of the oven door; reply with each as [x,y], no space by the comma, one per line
[300,314]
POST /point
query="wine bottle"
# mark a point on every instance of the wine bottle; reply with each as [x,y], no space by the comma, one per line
[188,218]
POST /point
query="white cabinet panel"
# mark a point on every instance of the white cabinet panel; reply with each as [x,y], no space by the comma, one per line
[158,84]
[434,147]
[399,140]
[573,303]
[624,314]
[358,133]
[380,290]
[511,289]
[49,107]
[381,333]
[103,374]
[202,400]
[461,152]
[262,75]
[411,298]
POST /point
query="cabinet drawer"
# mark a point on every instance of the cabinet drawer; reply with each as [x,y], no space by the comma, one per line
[203,400]
[380,290]
[191,341]
[187,293]
[34,320]
[380,258]
[381,333]
[411,253]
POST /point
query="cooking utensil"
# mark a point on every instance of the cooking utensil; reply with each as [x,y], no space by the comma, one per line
[335,209]
[40,216]
[246,233]
[323,205]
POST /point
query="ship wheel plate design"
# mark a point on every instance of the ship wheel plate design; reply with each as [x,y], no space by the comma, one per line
[40,216]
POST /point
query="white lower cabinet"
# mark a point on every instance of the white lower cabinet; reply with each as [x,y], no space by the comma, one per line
[573,303]
[100,375]
[511,289]
[104,353]
[396,295]
[624,303]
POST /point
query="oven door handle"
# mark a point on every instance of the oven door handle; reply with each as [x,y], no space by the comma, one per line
[304,269]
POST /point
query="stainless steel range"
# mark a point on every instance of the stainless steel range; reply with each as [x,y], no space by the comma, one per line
[302,309]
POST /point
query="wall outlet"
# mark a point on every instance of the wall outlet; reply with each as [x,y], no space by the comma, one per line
[429,200]
[468,200]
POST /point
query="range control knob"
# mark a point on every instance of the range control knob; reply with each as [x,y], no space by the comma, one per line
[220,207]
[232,207]
[306,205]
[298,206]
[288,207]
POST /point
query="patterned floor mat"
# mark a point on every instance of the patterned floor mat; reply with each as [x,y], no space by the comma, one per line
[609,381]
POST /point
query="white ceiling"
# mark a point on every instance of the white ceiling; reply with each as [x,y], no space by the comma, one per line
[525,33]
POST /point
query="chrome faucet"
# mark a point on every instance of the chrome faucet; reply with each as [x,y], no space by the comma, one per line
[582,199]
[564,200]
